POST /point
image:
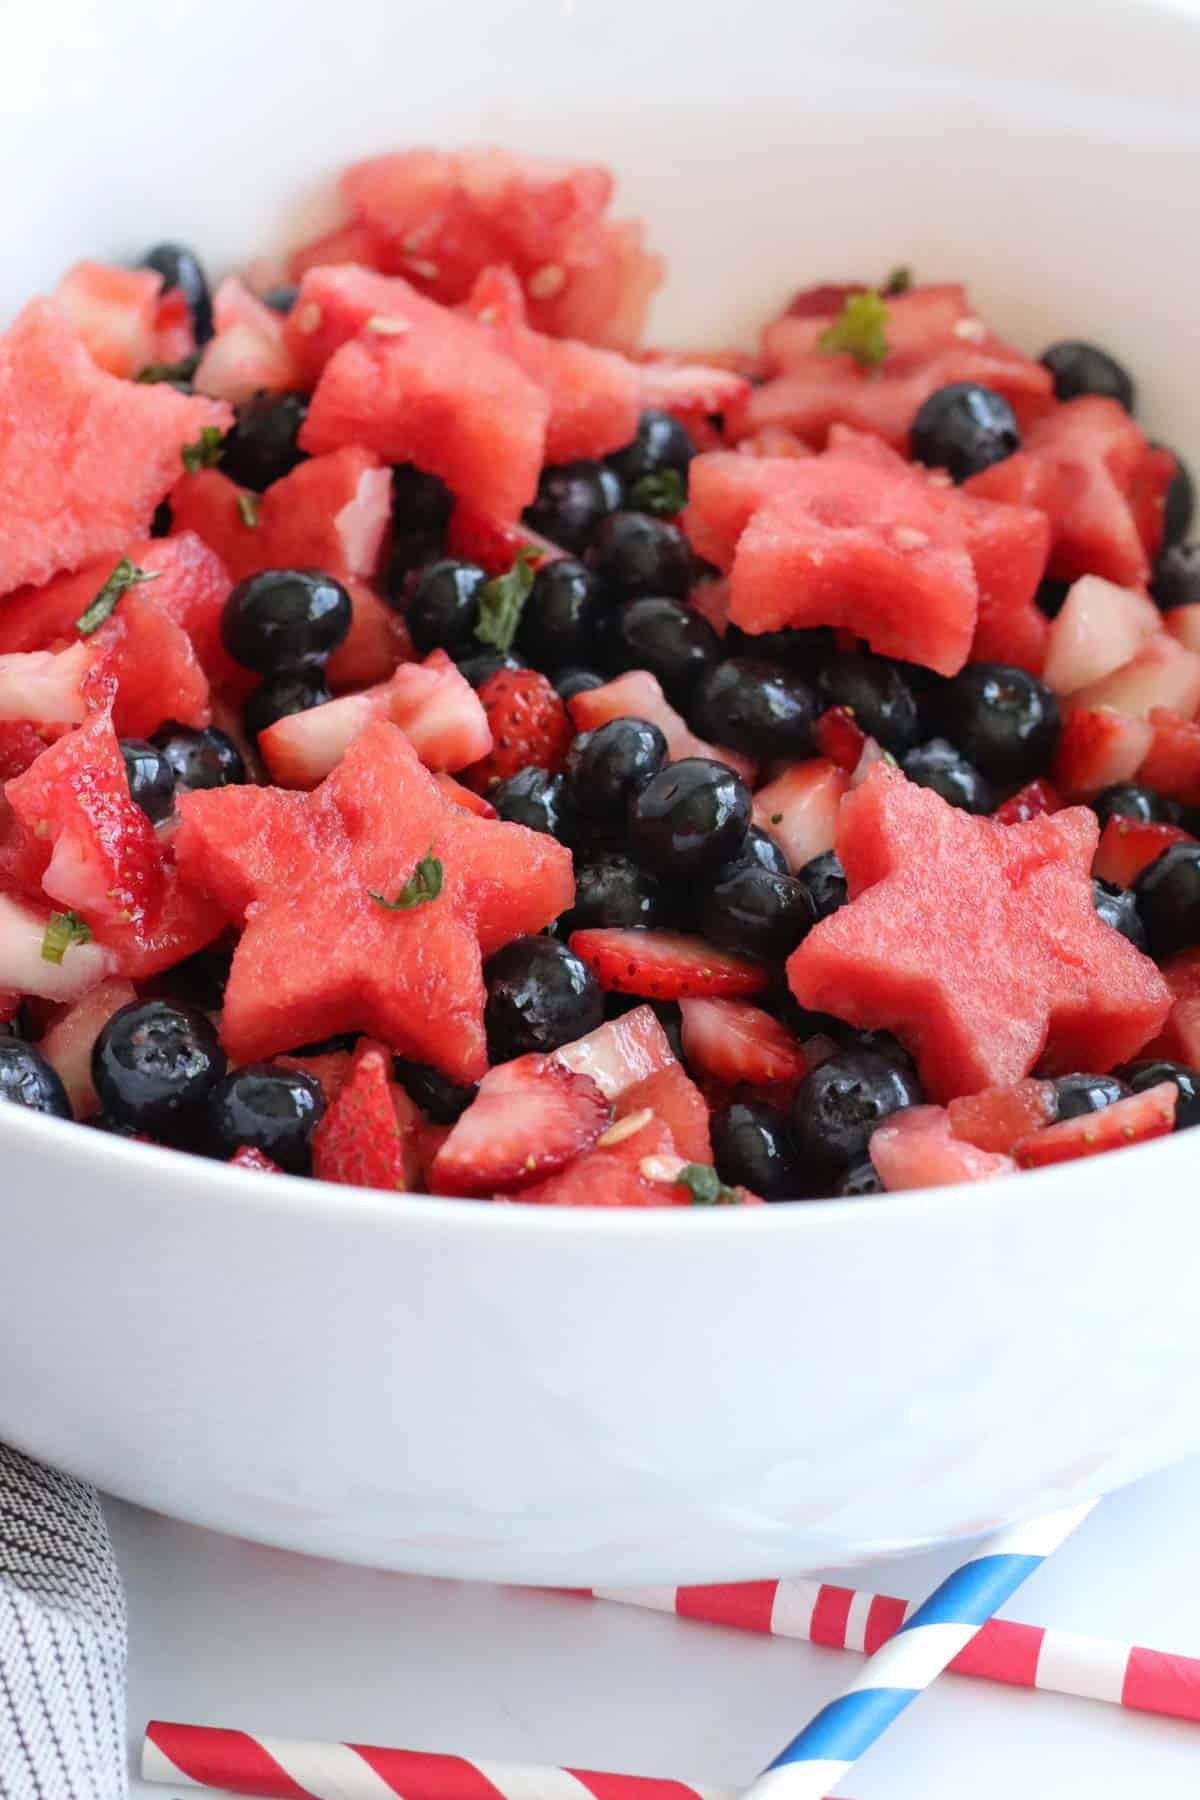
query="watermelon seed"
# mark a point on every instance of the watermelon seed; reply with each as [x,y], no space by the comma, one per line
[382,326]
[308,318]
[422,267]
[547,281]
[624,1128]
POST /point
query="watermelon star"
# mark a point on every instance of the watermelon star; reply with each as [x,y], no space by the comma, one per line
[977,943]
[318,953]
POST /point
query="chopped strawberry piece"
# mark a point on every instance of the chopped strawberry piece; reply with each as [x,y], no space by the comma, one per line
[711,600]
[692,391]
[1127,846]
[115,312]
[1149,1114]
[248,354]
[732,1041]
[1033,974]
[621,1053]
[360,1141]
[433,704]
[174,332]
[637,695]
[374,647]
[67,1045]
[1101,627]
[48,688]
[494,543]
[1171,766]
[319,954]
[23,968]
[148,664]
[918,1148]
[1183,623]
[1029,802]
[1161,674]
[330,512]
[636,1166]
[799,809]
[528,723]
[1098,747]
[248,1156]
[665,965]
[997,1117]
[677,1102]
[839,738]
[529,1119]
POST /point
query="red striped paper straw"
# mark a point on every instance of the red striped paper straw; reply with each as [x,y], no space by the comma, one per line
[205,1756]
[1029,1656]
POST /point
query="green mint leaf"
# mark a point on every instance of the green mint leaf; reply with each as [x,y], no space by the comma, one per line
[425,883]
[247,505]
[663,493]
[178,372]
[124,576]
[62,930]
[502,601]
[858,330]
[899,280]
[706,1186]
[205,453]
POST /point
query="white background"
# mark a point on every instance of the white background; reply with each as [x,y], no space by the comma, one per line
[227,1633]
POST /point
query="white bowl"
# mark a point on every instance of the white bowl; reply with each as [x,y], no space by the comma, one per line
[584,1397]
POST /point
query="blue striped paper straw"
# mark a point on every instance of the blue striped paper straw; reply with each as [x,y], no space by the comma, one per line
[908,1663]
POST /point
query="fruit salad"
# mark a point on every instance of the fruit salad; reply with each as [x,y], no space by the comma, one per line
[450,745]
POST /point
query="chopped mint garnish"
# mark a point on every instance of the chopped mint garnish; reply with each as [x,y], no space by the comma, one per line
[706,1186]
[777,818]
[502,601]
[205,453]
[899,280]
[425,883]
[62,930]
[124,576]
[663,493]
[858,329]
[182,371]
[247,505]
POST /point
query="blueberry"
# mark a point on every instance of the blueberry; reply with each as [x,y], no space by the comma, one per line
[267,1108]
[825,880]
[1118,908]
[201,758]
[27,1079]
[1180,502]
[154,1065]
[443,610]
[572,681]
[666,637]
[1168,898]
[535,798]
[1051,596]
[752,1148]
[281,299]
[758,707]
[612,891]
[607,767]
[558,624]
[572,498]
[761,849]
[201,979]
[1078,368]
[180,268]
[797,648]
[878,693]
[443,1100]
[660,442]
[860,1178]
[692,816]
[1176,578]
[756,912]
[1138,1076]
[964,428]
[285,619]
[839,1103]
[295,691]
[1075,1095]
[1004,721]
[160,524]
[1129,800]
[421,509]
[539,995]
[635,555]
[264,443]
[480,665]
[939,766]
[150,777]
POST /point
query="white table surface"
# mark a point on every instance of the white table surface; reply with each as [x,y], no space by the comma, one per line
[227,1633]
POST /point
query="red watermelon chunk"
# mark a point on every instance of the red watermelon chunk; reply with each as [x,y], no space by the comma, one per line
[375,645]
[1100,483]
[331,513]
[734,1041]
[1008,546]
[997,1117]
[637,695]
[1132,1120]
[213,508]
[84,457]
[1127,846]
[676,1102]
[635,1167]
[248,353]
[115,312]
[368,1134]
[1171,766]
[917,1148]
[20,745]
[149,666]
[799,809]
[977,943]
[1097,748]
[318,954]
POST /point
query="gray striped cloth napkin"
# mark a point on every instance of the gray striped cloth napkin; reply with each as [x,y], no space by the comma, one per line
[62,1640]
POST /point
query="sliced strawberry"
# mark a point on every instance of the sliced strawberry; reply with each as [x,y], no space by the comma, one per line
[429,1139]
[20,745]
[1161,673]
[733,1041]
[67,1045]
[1127,846]
[1183,623]
[23,968]
[247,1156]
[433,704]
[839,738]
[633,1164]
[799,808]
[665,965]
[917,1148]
[996,1117]
[1035,798]
[528,723]
[494,543]
[1172,763]
[676,1101]
[620,1054]
[115,312]
[360,1141]
[1101,627]
[711,600]
[248,354]
[637,695]
[529,1119]
[1098,747]
[47,688]
[1149,1114]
